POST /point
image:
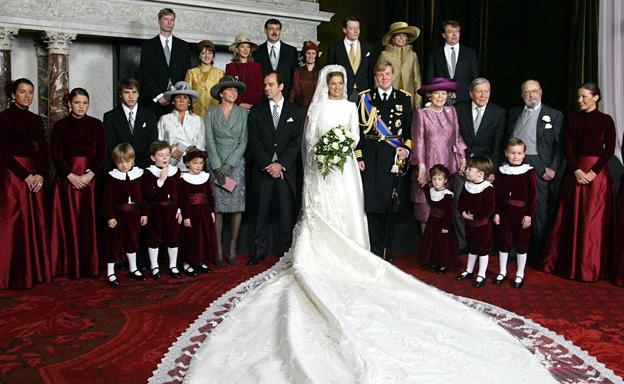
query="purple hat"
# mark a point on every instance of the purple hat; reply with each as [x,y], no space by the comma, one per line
[438,84]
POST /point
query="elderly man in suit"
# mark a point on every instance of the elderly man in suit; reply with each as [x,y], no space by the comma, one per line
[164,61]
[482,127]
[355,56]
[130,123]
[275,129]
[453,61]
[539,126]
[276,56]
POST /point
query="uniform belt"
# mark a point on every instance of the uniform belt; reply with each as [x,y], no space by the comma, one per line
[437,212]
[198,198]
[516,203]
[127,207]
[377,137]
[478,223]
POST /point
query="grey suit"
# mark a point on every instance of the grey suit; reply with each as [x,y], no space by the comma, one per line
[549,155]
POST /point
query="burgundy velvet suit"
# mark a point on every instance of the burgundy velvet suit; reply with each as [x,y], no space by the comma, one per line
[162,227]
[479,235]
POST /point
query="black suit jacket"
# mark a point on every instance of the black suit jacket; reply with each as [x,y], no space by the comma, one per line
[264,140]
[363,78]
[489,138]
[548,140]
[288,62]
[118,131]
[154,72]
[466,70]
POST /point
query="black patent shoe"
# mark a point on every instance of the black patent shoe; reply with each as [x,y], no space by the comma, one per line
[499,279]
[175,272]
[441,270]
[113,283]
[190,272]
[203,268]
[136,275]
[479,283]
[156,273]
[518,284]
[464,275]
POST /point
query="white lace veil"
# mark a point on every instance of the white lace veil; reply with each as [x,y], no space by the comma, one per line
[322,91]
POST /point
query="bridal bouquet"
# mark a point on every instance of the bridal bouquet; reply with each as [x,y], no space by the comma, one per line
[333,149]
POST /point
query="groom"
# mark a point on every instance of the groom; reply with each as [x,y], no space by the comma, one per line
[275,130]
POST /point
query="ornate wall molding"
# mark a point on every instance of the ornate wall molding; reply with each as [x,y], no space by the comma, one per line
[196,20]
[6,35]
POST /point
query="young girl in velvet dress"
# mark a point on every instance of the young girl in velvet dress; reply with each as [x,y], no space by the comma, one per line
[438,247]
[199,240]
[78,152]
[24,253]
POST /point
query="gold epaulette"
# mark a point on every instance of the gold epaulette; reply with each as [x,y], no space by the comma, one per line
[408,143]
[364,91]
[407,93]
[358,153]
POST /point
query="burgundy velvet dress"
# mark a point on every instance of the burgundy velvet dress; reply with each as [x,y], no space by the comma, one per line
[478,199]
[618,254]
[162,226]
[24,251]
[77,145]
[304,85]
[580,241]
[199,242]
[123,201]
[249,73]
[439,248]
[516,197]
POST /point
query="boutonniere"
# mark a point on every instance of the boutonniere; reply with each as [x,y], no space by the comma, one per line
[290,120]
[546,119]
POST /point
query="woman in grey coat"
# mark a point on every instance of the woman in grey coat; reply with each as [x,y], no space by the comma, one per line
[226,141]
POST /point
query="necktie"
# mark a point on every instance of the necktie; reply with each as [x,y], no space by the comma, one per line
[527,115]
[453,61]
[273,58]
[384,97]
[131,121]
[275,115]
[352,54]
[167,51]
[477,120]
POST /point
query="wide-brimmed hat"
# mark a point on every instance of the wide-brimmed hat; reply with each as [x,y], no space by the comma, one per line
[193,154]
[181,88]
[242,38]
[438,84]
[401,27]
[227,82]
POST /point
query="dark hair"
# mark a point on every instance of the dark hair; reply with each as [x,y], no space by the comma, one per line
[15,83]
[332,74]
[128,83]
[123,151]
[272,21]
[77,91]
[350,18]
[593,88]
[166,11]
[439,169]
[190,99]
[158,145]
[451,23]
[482,163]
[279,78]
[513,142]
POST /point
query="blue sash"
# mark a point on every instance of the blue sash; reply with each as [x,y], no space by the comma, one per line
[380,126]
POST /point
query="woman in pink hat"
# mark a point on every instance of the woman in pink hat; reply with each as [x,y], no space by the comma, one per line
[435,131]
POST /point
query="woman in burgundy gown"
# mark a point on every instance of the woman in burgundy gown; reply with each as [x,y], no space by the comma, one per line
[580,240]
[244,69]
[24,254]
[78,149]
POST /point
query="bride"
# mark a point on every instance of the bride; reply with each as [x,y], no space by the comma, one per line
[340,314]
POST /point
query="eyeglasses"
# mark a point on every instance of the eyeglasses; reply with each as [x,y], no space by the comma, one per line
[530,92]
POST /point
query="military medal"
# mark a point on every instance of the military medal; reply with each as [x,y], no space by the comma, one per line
[397,123]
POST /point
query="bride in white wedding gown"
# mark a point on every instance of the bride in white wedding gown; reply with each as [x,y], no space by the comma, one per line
[340,314]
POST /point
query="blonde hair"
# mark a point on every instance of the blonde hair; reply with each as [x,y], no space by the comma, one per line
[123,151]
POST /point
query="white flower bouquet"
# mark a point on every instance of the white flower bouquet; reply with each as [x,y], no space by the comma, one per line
[333,149]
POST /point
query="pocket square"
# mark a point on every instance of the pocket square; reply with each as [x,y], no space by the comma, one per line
[290,120]
[367,54]
[548,126]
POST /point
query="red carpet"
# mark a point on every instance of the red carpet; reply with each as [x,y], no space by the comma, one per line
[83,331]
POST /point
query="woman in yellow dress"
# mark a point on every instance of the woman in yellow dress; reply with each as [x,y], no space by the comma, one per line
[203,77]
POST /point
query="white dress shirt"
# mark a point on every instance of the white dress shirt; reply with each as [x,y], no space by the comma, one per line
[447,54]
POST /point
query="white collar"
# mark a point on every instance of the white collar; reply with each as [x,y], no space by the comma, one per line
[477,188]
[198,179]
[507,169]
[156,171]
[448,47]
[276,45]
[438,195]
[536,108]
[133,174]
[127,110]
[163,38]
[279,104]
[476,106]
[388,92]
[348,42]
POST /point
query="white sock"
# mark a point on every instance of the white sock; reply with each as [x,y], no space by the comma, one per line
[173,257]
[483,263]
[132,263]
[522,259]
[502,260]
[153,255]
[110,271]
[472,259]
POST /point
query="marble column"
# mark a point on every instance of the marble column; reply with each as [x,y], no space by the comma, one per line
[43,75]
[6,35]
[58,83]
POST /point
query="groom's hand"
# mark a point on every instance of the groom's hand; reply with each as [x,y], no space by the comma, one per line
[275,170]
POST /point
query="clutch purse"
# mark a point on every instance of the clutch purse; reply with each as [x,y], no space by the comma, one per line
[229,184]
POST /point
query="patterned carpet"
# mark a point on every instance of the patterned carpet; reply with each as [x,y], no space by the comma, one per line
[77,331]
